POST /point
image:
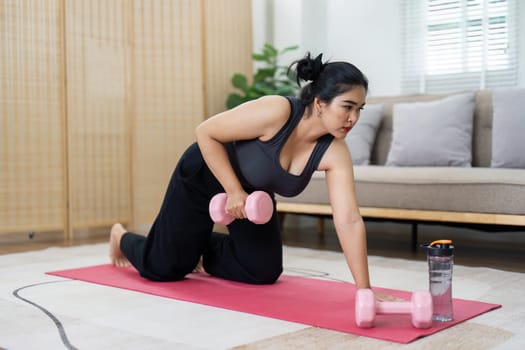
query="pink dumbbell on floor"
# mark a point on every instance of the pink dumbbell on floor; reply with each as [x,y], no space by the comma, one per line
[258,207]
[366,308]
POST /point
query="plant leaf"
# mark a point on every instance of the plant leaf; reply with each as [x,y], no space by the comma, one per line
[264,88]
[270,50]
[289,48]
[271,79]
[285,91]
[259,57]
[234,100]
[240,82]
[263,74]
[253,94]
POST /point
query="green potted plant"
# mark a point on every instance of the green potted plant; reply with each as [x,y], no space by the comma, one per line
[270,79]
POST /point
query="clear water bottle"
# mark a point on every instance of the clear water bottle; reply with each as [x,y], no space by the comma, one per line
[440,257]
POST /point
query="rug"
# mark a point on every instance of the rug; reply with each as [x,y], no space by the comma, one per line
[50,312]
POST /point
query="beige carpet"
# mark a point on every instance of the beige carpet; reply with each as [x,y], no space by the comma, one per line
[58,313]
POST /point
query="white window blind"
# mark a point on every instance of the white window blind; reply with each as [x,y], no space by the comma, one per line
[457,45]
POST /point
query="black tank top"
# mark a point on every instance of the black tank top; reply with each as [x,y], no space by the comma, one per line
[257,165]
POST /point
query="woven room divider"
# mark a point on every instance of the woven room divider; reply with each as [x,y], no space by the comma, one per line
[100,98]
[168,77]
[97,50]
[32,100]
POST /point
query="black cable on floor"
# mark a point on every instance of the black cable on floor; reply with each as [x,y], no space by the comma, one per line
[57,322]
[313,273]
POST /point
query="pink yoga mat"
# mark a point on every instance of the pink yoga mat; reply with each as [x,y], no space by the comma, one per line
[315,302]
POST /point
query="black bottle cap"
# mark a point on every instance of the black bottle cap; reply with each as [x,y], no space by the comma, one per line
[442,247]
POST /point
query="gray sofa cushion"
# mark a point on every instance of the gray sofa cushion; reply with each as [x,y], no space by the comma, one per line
[508,131]
[362,136]
[436,133]
[482,128]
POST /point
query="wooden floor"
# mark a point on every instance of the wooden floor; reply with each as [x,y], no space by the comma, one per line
[500,249]
[20,242]
[504,250]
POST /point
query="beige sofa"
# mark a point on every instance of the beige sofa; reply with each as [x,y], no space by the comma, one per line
[474,194]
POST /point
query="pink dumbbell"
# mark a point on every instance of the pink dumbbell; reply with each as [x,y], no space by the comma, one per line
[258,207]
[366,308]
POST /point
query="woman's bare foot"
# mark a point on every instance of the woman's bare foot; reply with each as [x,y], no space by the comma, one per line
[116,256]
[199,268]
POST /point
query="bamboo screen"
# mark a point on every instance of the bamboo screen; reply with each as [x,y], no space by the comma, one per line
[100,98]
[97,111]
[32,178]
[168,97]
[228,42]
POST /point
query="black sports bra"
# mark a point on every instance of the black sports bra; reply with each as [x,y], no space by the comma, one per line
[257,165]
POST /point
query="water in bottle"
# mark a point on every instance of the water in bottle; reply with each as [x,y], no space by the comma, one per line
[440,259]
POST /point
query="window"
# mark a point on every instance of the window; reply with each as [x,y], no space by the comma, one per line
[456,45]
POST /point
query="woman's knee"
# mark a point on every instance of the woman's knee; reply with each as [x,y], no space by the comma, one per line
[169,271]
[268,275]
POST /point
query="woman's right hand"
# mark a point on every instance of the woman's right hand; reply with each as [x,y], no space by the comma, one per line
[386,297]
[236,203]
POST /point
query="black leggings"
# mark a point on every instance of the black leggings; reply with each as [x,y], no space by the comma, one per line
[182,233]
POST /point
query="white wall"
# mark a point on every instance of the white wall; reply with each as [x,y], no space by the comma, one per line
[364,32]
[521,43]
[354,31]
[262,23]
[368,34]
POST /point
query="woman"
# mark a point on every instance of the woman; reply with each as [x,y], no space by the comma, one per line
[272,144]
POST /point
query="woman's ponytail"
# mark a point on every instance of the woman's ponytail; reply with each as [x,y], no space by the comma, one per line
[308,68]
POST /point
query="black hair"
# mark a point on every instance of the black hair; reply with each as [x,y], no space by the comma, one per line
[326,80]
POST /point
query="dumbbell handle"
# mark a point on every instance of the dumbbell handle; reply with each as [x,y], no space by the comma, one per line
[393,307]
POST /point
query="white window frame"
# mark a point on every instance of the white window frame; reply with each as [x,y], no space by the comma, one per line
[458,45]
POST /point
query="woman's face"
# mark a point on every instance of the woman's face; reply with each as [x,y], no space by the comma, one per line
[341,115]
